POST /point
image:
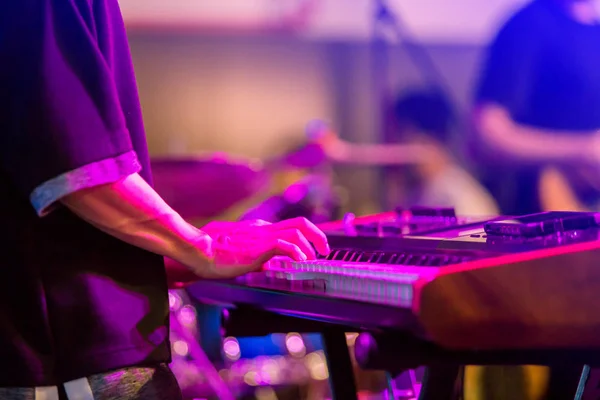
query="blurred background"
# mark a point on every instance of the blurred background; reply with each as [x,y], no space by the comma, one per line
[250,100]
[245,76]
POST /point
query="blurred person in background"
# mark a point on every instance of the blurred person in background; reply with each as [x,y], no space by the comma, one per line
[537,126]
[427,117]
[91,247]
[537,109]
[425,121]
[570,188]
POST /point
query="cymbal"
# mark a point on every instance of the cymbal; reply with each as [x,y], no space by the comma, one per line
[205,188]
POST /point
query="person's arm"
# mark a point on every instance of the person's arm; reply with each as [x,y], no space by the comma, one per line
[556,194]
[130,210]
[529,144]
[326,145]
[505,89]
[342,151]
[64,140]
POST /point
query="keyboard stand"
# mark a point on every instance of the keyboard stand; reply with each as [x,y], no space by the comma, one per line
[339,364]
[209,325]
[570,379]
[578,383]
[567,382]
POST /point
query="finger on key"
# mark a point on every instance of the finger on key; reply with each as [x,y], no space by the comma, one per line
[309,230]
[296,237]
[255,223]
[280,247]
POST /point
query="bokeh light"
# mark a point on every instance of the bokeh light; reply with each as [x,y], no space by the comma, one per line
[174,301]
[317,366]
[251,378]
[181,348]
[231,348]
[295,344]
[265,393]
[187,315]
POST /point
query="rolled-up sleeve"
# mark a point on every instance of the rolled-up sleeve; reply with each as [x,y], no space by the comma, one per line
[98,173]
[62,128]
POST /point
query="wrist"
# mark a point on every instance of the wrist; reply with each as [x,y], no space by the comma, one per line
[198,253]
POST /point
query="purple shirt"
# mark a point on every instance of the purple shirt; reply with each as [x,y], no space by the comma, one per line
[74,301]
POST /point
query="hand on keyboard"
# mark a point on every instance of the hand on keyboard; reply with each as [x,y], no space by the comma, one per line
[241,247]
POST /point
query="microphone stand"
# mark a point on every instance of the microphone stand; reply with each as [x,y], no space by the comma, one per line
[384,17]
[386,21]
[380,83]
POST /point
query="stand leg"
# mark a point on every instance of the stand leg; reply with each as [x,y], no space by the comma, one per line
[439,383]
[209,326]
[391,387]
[567,382]
[341,374]
[589,384]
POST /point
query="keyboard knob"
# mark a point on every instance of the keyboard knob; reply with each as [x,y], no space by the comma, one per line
[348,223]
[349,219]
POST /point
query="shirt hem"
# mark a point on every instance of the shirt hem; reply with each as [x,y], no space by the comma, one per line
[92,364]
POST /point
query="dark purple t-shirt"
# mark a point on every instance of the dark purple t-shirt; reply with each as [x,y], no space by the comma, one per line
[544,68]
[73,300]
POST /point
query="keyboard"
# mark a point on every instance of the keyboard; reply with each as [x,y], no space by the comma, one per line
[429,288]
[445,268]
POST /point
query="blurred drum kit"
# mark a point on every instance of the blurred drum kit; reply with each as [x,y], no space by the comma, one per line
[220,186]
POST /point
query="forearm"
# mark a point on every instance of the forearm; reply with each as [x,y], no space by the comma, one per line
[528,144]
[556,193]
[133,212]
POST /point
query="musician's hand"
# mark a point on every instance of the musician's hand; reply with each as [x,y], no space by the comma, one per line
[242,247]
[216,228]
